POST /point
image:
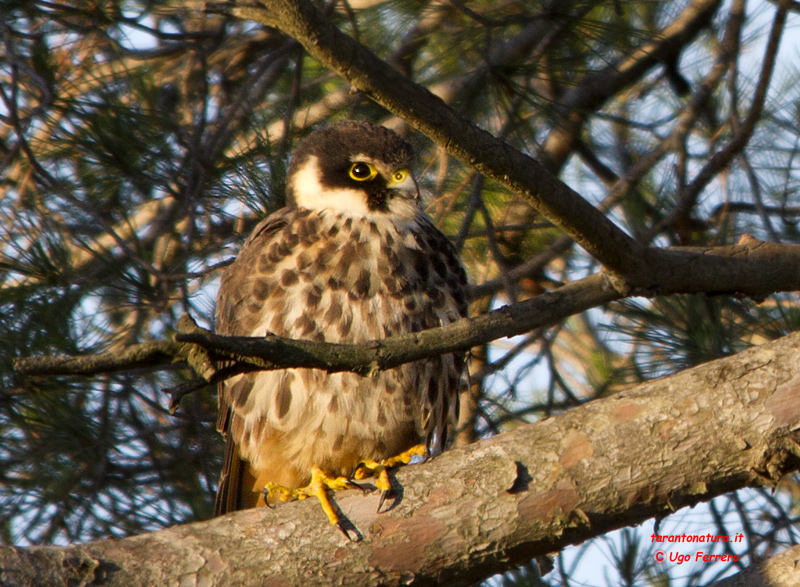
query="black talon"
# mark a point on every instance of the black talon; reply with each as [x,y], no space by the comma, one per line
[384,495]
[356,537]
[353,485]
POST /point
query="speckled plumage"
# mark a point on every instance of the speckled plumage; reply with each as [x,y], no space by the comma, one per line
[359,261]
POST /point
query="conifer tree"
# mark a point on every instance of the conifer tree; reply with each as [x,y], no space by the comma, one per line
[141,142]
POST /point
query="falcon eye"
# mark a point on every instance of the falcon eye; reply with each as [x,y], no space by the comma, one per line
[362,171]
[400,176]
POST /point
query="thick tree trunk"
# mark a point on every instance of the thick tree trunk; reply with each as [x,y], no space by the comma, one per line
[480,509]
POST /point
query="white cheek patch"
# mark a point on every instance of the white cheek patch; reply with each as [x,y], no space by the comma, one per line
[308,193]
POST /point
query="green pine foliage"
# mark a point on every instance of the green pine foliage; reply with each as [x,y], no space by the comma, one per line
[140,143]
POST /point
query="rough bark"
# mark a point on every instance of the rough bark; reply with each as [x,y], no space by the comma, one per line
[477,510]
[782,569]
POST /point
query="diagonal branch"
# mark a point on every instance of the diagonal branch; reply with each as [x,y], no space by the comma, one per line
[472,145]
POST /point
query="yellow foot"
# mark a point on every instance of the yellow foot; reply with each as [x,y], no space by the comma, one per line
[370,468]
[320,483]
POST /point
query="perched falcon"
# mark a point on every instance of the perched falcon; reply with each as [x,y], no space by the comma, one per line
[352,258]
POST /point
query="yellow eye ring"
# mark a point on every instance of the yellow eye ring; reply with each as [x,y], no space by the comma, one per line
[400,176]
[361,171]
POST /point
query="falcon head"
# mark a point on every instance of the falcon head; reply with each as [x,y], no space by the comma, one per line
[356,168]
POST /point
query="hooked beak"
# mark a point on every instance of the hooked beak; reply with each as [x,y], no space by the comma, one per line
[404,183]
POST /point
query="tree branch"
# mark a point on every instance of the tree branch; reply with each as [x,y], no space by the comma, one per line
[720,160]
[631,266]
[752,268]
[275,352]
[780,569]
[474,511]
[137,356]
[597,88]
[472,145]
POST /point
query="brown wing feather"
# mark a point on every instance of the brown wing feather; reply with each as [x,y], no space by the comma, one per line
[229,492]
[235,470]
[326,276]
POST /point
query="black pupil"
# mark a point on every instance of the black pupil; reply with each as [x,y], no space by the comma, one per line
[361,170]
